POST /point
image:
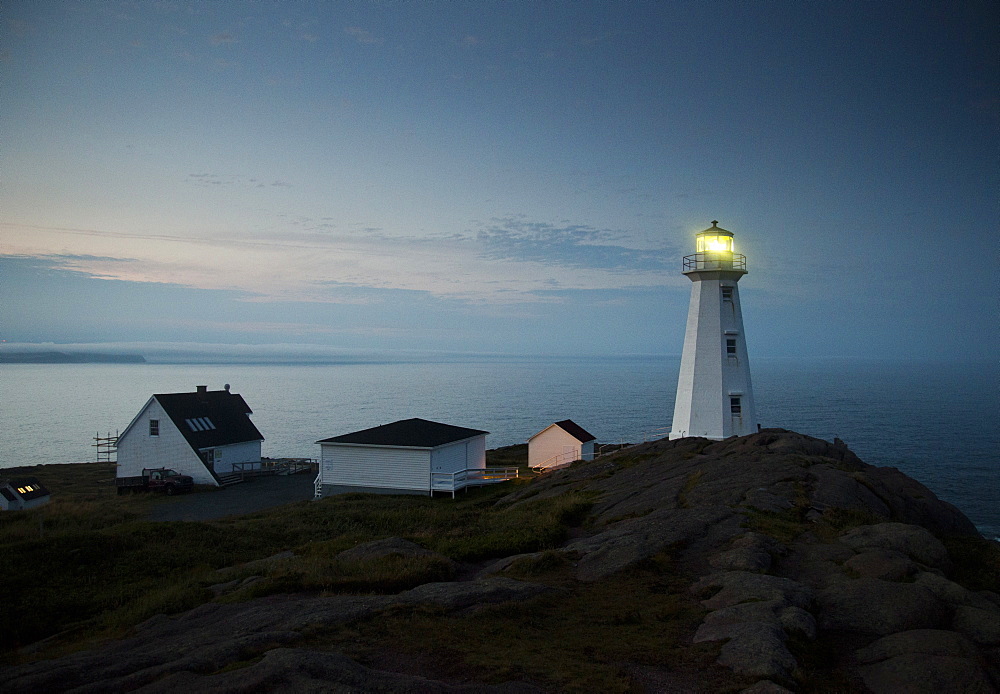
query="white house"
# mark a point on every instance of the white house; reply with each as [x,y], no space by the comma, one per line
[22,493]
[203,434]
[560,444]
[405,457]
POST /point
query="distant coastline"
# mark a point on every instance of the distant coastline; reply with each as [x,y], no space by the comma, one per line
[51,357]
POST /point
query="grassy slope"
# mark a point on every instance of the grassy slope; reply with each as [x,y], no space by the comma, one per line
[86,565]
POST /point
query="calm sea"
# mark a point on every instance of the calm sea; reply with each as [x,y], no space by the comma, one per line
[936,422]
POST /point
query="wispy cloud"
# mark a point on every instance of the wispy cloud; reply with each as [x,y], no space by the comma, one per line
[363,37]
[210,180]
[324,260]
[567,244]
[222,39]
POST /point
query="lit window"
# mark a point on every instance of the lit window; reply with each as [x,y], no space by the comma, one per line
[727,293]
[735,407]
[731,346]
[154,427]
[20,490]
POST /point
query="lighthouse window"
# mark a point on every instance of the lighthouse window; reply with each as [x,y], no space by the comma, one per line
[727,293]
[731,346]
[735,407]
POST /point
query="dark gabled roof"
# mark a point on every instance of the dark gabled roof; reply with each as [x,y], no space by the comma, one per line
[575,430]
[38,490]
[7,494]
[225,412]
[415,433]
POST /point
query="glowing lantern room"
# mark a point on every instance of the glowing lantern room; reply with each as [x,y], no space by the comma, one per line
[713,240]
[714,251]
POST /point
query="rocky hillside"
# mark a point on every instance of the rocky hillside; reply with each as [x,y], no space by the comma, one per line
[768,563]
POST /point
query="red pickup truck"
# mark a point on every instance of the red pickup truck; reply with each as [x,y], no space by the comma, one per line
[156,480]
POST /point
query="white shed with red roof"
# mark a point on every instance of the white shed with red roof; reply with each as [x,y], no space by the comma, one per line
[560,444]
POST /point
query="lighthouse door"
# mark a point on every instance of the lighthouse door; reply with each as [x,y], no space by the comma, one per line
[736,411]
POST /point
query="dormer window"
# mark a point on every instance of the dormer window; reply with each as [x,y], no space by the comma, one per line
[200,424]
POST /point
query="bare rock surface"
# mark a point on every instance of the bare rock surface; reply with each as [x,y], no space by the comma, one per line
[873,606]
[922,661]
[909,540]
[293,670]
[210,637]
[980,625]
[631,541]
[886,564]
[782,538]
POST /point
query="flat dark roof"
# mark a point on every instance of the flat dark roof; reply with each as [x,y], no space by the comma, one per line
[415,433]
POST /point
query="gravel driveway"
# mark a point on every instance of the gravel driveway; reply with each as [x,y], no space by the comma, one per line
[246,497]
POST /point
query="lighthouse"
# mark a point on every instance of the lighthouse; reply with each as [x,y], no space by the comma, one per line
[714,395]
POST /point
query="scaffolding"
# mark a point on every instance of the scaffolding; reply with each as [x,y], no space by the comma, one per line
[107,447]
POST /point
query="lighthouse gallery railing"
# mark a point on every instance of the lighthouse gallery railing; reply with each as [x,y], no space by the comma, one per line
[713,261]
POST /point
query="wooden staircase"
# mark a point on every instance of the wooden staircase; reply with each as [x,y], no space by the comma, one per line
[230,478]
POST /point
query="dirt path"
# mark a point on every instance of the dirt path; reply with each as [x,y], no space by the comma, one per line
[247,497]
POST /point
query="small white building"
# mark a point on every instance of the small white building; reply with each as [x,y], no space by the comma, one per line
[560,444]
[22,493]
[405,457]
[203,434]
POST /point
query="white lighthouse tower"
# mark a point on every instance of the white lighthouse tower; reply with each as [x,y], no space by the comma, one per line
[714,396]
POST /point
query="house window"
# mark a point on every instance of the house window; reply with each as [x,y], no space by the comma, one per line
[727,293]
[735,407]
[731,346]
[154,427]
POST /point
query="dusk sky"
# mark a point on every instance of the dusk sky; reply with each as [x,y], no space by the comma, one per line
[499,177]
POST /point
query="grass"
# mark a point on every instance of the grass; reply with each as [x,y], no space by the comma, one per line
[690,483]
[576,638]
[87,560]
[89,567]
[976,562]
[783,526]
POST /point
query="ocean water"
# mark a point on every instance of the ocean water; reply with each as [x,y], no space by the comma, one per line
[936,422]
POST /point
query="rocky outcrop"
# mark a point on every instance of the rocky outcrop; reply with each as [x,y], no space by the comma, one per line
[784,542]
[171,654]
[884,577]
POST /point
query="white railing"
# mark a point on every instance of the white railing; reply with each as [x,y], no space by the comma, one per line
[452,481]
[318,486]
[656,434]
[556,462]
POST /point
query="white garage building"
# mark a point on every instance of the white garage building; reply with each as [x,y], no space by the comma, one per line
[406,457]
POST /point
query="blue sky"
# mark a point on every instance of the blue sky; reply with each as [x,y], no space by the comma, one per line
[498,177]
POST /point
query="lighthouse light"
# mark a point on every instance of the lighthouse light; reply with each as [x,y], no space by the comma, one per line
[713,244]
